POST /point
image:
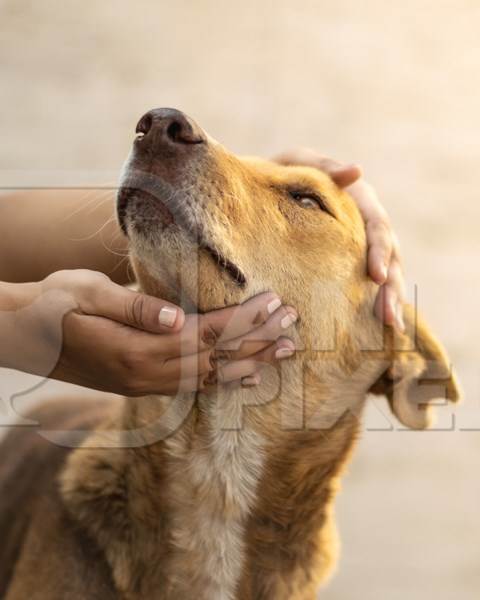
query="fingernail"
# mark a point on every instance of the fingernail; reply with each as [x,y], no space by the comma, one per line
[251,380]
[288,320]
[284,353]
[273,305]
[167,316]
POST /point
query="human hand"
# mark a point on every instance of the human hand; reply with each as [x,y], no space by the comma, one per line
[384,260]
[95,333]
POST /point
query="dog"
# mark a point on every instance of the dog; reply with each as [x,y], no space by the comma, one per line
[225,494]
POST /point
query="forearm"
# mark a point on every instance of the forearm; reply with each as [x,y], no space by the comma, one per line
[42,231]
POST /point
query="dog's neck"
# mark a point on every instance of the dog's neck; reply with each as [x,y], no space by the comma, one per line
[230,498]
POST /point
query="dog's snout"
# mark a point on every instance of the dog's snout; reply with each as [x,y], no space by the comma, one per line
[162,126]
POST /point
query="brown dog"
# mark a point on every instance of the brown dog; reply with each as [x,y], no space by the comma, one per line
[225,494]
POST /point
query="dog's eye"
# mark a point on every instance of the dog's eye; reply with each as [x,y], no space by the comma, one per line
[310,200]
[305,201]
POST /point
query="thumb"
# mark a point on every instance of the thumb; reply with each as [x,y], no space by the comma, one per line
[137,310]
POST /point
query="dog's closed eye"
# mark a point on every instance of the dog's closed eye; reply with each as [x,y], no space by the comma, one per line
[308,199]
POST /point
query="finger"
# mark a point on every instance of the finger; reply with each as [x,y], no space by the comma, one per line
[396,285]
[379,249]
[179,367]
[345,175]
[396,280]
[342,174]
[367,200]
[380,237]
[202,332]
[283,348]
[388,307]
[261,337]
[384,305]
[270,352]
[232,322]
[203,370]
[249,366]
[186,367]
[131,308]
[237,370]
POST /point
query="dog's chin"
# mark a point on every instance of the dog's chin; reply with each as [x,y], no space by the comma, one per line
[211,293]
[170,267]
[176,243]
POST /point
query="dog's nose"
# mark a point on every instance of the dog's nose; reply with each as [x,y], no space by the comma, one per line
[162,126]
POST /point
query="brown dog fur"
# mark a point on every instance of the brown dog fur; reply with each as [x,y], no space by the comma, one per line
[226,494]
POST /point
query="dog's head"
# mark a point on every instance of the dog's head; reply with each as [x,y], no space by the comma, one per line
[209,229]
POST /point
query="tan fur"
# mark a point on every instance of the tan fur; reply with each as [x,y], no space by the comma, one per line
[231,496]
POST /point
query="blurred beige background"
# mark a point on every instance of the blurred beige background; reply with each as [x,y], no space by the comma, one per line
[393,86]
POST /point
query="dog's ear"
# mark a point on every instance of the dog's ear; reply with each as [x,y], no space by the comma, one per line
[418,374]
